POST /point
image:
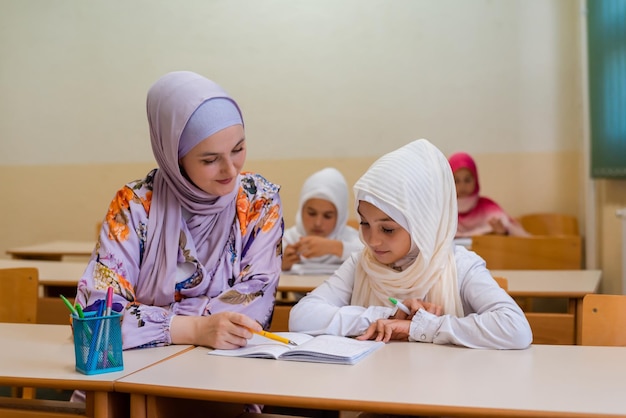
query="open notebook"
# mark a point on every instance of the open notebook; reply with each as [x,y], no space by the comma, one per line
[319,349]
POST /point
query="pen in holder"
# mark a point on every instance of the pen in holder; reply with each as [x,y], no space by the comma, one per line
[98,343]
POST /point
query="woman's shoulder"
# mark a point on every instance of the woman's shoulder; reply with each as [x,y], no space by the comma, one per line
[142,187]
[255,185]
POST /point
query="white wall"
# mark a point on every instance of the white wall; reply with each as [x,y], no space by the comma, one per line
[315,78]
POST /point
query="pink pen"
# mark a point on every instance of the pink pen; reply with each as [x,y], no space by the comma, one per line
[109,301]
[107,312]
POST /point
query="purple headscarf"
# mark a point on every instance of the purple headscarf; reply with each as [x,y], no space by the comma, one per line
[171,102]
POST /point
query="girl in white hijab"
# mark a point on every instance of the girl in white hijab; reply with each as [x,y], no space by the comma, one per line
[408,209]
[321,239]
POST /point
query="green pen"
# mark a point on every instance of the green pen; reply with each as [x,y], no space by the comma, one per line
[79,310]
[69,305]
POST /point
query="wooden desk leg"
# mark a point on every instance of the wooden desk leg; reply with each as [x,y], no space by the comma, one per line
[138,406]
[104,404]
[576,306]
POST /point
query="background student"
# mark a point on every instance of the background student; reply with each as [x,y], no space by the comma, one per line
[407,204]
[320,240]
[478,215]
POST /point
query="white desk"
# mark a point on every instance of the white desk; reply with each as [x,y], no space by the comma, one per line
[36,355]
[548,328]
[405,378]
[54,250]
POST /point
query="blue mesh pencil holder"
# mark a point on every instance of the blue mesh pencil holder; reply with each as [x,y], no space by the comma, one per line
[98,343]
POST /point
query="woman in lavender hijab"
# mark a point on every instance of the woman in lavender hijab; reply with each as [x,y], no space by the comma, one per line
[193,250]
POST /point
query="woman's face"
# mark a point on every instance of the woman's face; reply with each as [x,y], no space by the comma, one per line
[465,182]
[387,240]
[214,164]
[319,217]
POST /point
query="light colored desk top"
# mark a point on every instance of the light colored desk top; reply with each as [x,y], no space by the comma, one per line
[529,283]
[51,273]
[551,283]
[53,250]
[43,356]
[408,378]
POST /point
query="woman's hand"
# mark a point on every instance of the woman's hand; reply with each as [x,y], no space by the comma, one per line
[224,330]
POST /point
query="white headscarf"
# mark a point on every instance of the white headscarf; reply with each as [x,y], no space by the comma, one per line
[417,182]
[328,184]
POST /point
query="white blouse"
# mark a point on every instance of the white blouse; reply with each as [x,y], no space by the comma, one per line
[492,318]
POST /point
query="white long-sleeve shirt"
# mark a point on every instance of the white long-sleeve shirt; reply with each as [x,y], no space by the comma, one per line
[492,318]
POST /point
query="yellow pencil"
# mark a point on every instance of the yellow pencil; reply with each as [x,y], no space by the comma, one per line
[274,337]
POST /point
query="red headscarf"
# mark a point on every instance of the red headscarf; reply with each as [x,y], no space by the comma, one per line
[476,212]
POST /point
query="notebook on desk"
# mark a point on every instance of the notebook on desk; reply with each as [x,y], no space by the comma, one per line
[317,349]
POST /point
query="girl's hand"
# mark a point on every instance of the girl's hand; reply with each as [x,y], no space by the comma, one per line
[415,305]
[314,246]
[290,257]
[497,226]
[224,330]
[386,330]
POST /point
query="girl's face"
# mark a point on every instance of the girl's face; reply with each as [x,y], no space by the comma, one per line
[465,182]
[387,240]
[319,217]
[214,164]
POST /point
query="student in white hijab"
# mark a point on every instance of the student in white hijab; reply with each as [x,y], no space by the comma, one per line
[407,204]
[321,239]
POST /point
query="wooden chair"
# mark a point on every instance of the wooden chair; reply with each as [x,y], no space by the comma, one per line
[529,253]
[503,282]
[19,293]
[604,320]
[552,224]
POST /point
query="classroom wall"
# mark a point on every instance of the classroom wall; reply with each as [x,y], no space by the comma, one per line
[320,83]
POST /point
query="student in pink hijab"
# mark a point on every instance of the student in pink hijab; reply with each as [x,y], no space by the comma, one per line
[478,215]
[192,250]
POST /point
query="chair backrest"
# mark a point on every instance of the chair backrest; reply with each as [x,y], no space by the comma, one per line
[529,253]
[19,293]
[604,320]
[503,282]
[554,224]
